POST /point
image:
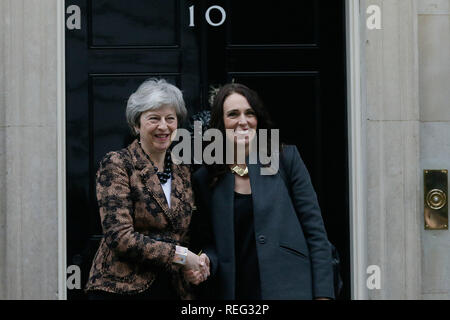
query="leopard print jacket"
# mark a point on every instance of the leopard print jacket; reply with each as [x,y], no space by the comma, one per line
[140,231]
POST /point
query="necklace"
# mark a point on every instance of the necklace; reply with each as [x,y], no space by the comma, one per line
[165,175]
[240,171]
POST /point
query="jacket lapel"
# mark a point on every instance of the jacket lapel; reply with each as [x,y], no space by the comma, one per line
[259,189]
[177,188]
[222,210]
[264,187]
[152,183]
[149,178]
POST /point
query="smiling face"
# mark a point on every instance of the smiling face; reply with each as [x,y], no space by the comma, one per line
[156,128]
[239,117]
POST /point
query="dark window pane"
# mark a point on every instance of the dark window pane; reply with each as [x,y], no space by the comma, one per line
[134,23]
[273,22]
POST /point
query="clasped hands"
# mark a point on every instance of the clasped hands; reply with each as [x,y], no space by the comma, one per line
[196,269]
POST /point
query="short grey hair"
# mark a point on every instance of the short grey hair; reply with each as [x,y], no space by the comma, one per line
[152,94]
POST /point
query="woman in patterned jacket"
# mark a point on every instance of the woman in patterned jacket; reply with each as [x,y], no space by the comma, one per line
[145,203]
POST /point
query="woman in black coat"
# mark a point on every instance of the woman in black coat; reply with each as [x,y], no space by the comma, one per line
[260,227]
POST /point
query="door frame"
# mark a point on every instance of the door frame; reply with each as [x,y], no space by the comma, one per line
[61,147]
[356,134]
[356,150]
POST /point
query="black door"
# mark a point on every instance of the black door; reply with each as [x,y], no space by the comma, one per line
[291,52]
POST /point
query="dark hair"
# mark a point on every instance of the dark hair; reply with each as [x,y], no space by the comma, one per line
[216,171]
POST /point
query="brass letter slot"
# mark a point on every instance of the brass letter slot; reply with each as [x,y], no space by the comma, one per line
[435,199]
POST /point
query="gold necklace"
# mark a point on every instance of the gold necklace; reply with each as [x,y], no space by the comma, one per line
[240,171]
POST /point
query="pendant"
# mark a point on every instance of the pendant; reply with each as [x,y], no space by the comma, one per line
[240,171]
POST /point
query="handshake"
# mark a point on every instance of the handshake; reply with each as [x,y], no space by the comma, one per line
[196,268]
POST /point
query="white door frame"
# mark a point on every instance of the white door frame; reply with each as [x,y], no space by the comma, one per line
[61,140]
[355,143]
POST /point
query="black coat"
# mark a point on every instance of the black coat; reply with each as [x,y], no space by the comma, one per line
[294,258]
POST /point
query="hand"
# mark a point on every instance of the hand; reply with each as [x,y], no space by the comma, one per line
[193,262]
[206,265]
[196,269]
[193,276]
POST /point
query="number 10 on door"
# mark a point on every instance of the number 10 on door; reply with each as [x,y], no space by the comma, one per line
[221,10]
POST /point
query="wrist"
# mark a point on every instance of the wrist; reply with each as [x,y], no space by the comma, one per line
[180,255]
